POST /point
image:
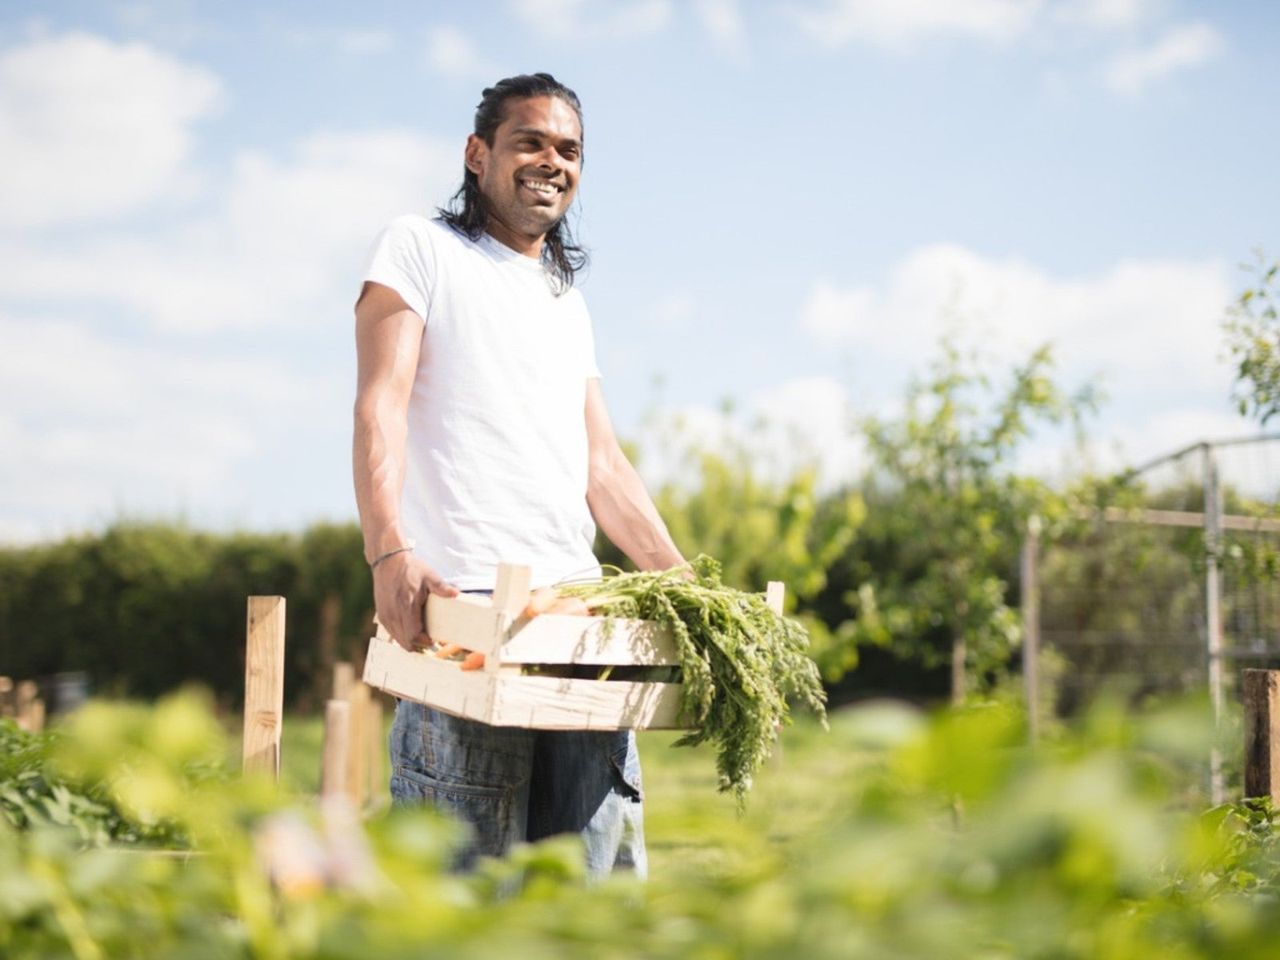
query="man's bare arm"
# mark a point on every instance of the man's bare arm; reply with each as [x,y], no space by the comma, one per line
[388,341]
[617,496]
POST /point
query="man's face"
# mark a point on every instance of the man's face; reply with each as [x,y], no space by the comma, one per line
[529,175]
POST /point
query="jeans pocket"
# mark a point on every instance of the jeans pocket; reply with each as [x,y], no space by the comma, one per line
[624,758]
[485,810]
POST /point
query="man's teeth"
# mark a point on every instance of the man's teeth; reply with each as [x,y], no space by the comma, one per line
[541,186]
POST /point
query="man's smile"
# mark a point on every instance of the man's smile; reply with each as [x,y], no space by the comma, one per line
[543,189]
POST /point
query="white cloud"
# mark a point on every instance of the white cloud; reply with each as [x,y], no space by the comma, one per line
[1108,14]
[672,311]
[1128,441]
[1149,330]
[325,41]
[287,241]
[722,19]
[92,129]
[801,422]
[1182,47]
[897,23]
[365,43]
[593,19]
[93,426]
[451,53]
[1153,317]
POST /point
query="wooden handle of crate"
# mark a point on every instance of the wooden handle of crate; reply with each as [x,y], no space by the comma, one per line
[511,592]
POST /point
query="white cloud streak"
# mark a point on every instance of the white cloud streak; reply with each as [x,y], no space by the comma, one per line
[451,53]
[92,426]
[1147,330]
[287,240]
[91,129]
[593,19]
[1107,14]
[897,23]
[800,422]
[1105,320]
[1181,48]
[722,20]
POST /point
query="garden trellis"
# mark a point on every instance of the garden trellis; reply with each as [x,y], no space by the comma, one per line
[1171,588]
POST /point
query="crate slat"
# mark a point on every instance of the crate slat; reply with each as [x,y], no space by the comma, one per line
[468,620]
[510,700]
[425,679]
[552,638]
[553,703]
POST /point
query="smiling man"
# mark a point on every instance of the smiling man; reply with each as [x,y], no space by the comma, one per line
[481,436]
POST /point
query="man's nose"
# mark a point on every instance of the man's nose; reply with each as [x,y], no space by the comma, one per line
[550,160]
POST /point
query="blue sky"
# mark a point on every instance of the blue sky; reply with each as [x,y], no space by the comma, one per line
[787,203]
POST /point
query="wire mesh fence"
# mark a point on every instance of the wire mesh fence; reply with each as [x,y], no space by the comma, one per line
[1174,589]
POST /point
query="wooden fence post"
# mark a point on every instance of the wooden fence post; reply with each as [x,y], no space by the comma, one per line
[344,676]
[357,754]
[337,741]
[1262,734]
[264,685]
[376,746]
[28,707]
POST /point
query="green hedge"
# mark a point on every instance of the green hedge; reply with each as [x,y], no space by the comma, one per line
[145,608]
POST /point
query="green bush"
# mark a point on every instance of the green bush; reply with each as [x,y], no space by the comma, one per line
[146,608]
[896,836]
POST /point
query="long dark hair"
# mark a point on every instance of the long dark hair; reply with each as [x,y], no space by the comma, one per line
[466,211]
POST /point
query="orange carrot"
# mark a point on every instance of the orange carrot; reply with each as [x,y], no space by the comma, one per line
[540,600]
[474,661]
[570,607]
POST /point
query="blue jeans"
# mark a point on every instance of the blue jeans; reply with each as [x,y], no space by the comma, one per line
[511,785]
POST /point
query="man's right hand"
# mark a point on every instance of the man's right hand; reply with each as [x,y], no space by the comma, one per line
[401,584]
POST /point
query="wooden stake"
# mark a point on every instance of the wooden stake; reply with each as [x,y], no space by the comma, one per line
[264,685]
[357,754]
[6,697]
[326,644]
[35,716]
[1030,577]
[337,731]
[376,746]
[25,698]
[344,677]
[775,593]
[1262,734]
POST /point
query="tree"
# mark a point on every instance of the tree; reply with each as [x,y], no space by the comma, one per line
[762,524]
[946,512]
[1253,344]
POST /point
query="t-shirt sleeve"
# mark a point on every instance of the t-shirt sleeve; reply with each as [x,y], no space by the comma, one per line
[401,258]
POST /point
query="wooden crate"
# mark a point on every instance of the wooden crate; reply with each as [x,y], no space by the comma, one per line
[503,692]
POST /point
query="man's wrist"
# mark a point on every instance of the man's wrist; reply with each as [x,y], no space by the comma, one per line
[388,554]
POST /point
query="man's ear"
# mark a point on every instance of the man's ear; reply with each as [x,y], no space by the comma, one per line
[476,154]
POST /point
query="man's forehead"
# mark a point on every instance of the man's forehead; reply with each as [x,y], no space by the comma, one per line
[546,116]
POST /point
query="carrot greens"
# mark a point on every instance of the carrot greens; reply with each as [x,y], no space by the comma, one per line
[740,661]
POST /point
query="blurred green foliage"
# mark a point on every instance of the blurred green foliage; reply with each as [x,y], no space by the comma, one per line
[145,608]
[947,512]
[1252,330]
[897,835]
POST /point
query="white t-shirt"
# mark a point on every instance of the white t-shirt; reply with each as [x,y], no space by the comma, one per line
[496,466]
